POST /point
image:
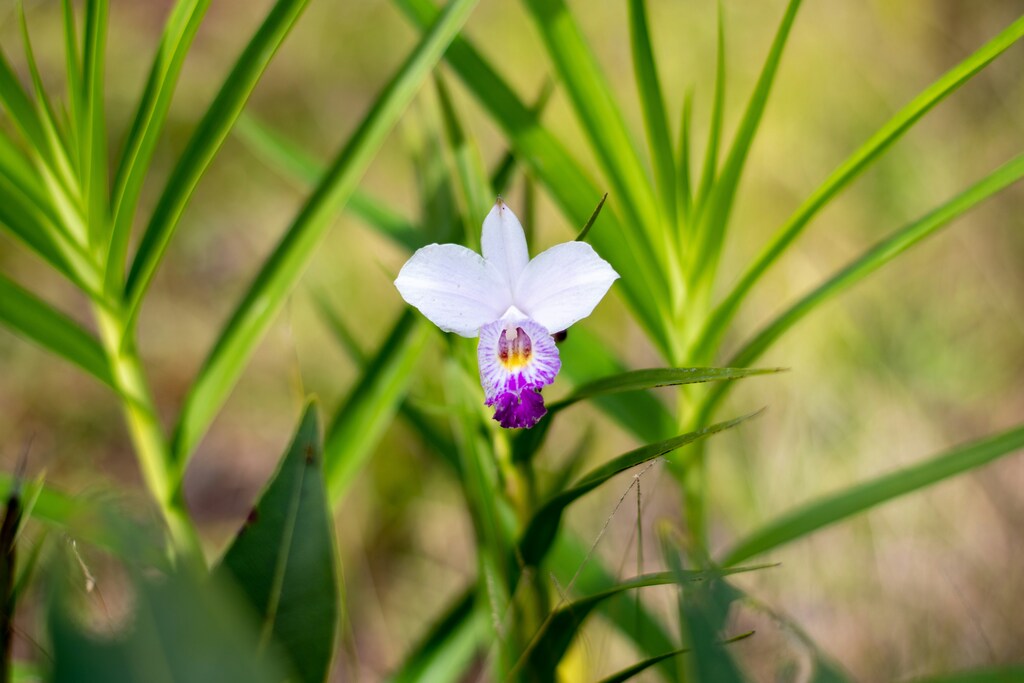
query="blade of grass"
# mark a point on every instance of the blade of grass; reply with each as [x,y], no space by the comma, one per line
[204,144]
[282,270]
[870,494]
[849,169]
[285,156]
[366,413]
[147,125]
[582,235]
[73,74]
[31,317]
[870,261]
[714,218]
[652,102]
[477,194]
[19,107]
[684,189]
[638,380]
[93,128]
[501,176]
[546,158]
[707,178]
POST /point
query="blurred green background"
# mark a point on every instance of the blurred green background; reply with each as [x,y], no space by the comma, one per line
[927,353]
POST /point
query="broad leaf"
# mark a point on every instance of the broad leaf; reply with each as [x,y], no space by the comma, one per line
[284,559]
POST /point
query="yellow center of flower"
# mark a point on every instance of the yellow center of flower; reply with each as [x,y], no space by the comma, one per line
[514,348]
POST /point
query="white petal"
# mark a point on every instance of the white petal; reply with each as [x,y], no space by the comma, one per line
[563,285]
[503,243]
[454,288]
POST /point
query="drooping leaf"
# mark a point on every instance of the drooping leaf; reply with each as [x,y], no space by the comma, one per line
[284,559]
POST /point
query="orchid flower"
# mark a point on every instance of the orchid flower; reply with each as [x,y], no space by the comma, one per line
[512,303]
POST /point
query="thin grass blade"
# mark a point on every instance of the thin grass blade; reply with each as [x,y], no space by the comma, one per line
[367,412]
[147,126]
[282,270]
[94,130]
[870,261]
[546,158]
[34,319]
[865,496]
[477,194]
[856,163]
[204,144]
[714,218]
[659,140]
[707,178]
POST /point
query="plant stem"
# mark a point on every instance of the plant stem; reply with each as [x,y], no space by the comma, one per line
[151,446]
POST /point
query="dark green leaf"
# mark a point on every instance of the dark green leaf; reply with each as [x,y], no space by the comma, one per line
[284,560]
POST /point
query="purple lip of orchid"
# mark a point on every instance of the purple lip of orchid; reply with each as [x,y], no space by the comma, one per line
[512,303]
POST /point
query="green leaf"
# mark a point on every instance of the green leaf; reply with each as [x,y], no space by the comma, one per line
[870,261]
[638,380]
[559,630]
[93,128]
[34,319]
[19,107]
[286,157]
[571,188]
[184,630]
[448,648]
[684,189]
[146,127]
[543,526]
[586,358]
[653,104]
[477,194]
[1010,673]
[204,144]
[865,496]
[870,151]
[73,74]
[582,235]
[707,179]
[284,560]
[367,412]
[281,271]
[715,217]
[595,107]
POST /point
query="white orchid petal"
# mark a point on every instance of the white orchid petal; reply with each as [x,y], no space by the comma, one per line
[504,243]
[454,287]
[563,285]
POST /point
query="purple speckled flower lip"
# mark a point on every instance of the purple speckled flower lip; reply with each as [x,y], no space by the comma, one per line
[512,303]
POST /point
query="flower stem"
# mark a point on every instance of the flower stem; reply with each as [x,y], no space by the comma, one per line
[151,446]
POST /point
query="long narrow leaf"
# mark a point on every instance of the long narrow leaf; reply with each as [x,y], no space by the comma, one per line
[282,270]
[715,217]
[366,413]
[285,156]
[653,104]
[541,530]
[34,319]
[707,178]
[204,144]
[146,127]
[849,169]
[862,497]
[94,127]
[574,192]
[870,261]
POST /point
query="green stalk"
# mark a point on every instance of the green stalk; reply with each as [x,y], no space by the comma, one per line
[151,445]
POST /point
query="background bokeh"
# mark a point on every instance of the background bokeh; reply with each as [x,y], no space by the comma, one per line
[926,354]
